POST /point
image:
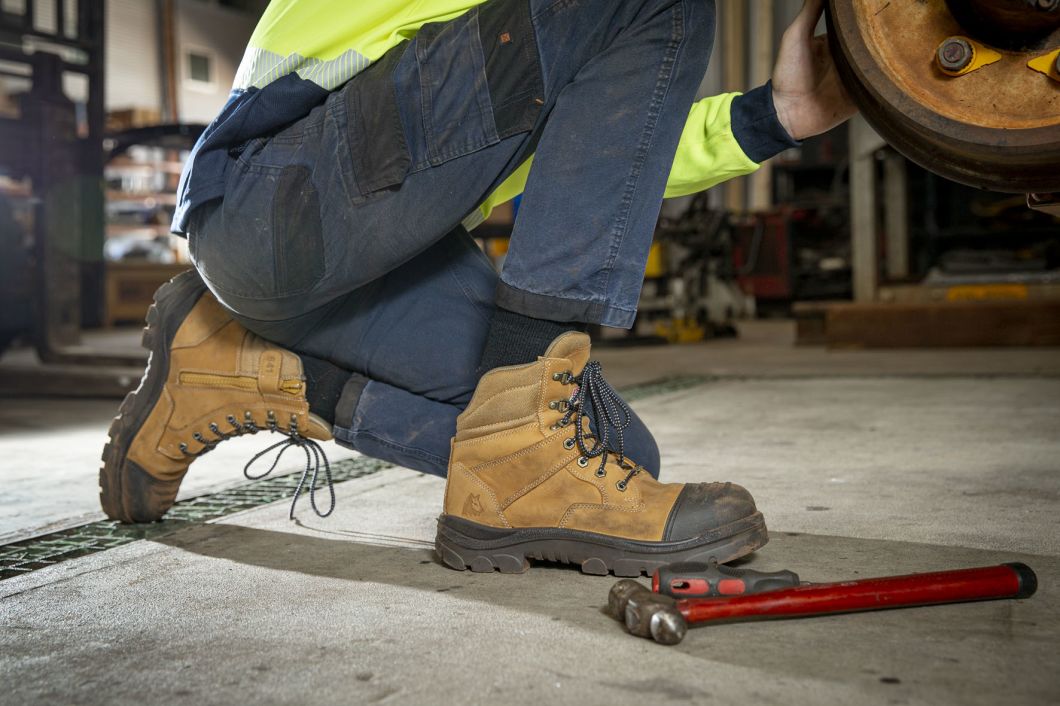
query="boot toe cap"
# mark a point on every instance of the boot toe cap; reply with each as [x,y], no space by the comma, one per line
[702,507]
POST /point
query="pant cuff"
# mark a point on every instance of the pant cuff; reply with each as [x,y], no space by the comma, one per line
[553,308]
[347,406]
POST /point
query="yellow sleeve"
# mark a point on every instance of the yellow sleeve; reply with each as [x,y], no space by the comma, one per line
[708,153]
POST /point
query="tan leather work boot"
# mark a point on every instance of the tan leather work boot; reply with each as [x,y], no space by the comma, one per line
[528,480]
[207,379]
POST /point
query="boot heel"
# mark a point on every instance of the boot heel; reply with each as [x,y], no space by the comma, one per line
[126,492]
[462,558]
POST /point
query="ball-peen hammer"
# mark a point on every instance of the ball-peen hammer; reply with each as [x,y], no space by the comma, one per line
[666,619]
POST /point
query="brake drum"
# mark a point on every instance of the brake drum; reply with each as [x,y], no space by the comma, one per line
[969,89]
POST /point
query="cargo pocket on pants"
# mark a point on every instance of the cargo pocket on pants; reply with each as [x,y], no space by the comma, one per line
[378,150]
[454,93]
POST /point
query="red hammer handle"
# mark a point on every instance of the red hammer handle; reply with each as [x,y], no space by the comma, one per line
[1004,581]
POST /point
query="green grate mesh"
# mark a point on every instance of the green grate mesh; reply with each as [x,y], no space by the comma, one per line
[633,393]
[21,557]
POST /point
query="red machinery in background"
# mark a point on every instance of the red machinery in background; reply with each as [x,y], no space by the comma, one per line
[762,256]
[792,253]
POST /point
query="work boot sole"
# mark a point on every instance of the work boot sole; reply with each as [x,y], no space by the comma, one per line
[127,492]
[462,544]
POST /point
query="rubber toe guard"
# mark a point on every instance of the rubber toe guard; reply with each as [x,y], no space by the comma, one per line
[702,507]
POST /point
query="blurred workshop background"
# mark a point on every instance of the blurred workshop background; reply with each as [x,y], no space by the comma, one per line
[870,346]
[100,102]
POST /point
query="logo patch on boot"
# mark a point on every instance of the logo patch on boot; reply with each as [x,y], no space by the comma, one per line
[472,506]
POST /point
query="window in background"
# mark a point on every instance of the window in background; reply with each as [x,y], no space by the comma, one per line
[199,69]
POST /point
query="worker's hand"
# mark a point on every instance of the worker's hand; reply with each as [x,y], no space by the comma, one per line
[808,95]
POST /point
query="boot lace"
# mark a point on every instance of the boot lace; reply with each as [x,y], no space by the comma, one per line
[612,414]
[315,458]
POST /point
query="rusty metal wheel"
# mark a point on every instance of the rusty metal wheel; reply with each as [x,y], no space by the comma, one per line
[957,96]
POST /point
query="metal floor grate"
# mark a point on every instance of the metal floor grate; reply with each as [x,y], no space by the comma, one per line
[632,393]
[28,555]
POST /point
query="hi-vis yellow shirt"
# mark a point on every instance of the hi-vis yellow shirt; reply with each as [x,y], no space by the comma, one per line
[329,41]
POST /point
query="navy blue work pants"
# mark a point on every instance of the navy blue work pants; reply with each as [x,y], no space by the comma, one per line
[340,237]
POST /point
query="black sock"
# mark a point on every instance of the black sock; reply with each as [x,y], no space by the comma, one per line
[324,385]
[514,339]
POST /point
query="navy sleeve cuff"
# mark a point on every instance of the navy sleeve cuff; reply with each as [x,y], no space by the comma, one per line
[756,127]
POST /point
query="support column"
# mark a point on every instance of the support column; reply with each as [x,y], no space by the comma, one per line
[733,18]
[864,142]
[762,14]
[896,215]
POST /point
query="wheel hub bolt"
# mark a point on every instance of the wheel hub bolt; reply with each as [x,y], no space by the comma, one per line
[954,54]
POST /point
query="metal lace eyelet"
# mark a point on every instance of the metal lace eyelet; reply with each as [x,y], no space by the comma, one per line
[232,420]
[199,437]
[601,473]
[563,422]
[582,461]
[215,429]
[554,404]
[621,485]
[557,376]
[183,448]
[569,444]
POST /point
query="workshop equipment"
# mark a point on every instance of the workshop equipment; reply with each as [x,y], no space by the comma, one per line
[692,579]
[793,253]
[690,290]
[965,88]
[665,620]
[57,148]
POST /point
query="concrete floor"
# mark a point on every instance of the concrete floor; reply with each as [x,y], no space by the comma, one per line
[865,463]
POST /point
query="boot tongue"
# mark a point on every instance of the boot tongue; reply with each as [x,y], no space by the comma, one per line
[574,346]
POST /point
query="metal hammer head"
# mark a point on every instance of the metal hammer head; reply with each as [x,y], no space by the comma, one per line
[645,613]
